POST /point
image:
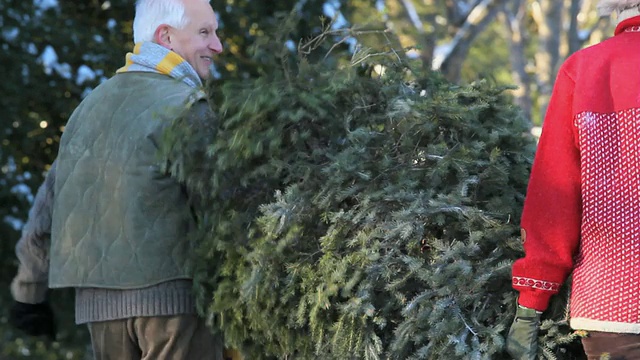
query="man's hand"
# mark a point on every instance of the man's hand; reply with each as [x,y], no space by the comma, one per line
[522,341]
[33,319]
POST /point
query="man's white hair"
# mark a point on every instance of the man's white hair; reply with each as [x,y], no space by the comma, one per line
[152,13]
[606,7]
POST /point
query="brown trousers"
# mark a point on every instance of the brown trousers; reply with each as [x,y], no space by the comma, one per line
[154,338]
[611,346]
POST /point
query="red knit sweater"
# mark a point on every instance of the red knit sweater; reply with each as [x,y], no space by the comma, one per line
[582,210]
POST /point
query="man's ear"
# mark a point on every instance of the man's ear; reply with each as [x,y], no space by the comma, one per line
[162,36]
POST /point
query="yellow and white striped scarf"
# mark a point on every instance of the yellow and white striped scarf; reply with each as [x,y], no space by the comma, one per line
[151,57]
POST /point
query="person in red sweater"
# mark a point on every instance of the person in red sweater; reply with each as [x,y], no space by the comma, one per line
[582,209]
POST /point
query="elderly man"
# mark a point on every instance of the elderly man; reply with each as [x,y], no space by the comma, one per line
[107,221]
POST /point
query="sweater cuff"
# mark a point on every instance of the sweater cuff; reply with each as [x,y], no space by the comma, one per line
[29,292]
[537,300]
[535,293]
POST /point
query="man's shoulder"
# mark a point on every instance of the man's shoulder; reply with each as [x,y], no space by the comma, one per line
[147,80]
[140,85]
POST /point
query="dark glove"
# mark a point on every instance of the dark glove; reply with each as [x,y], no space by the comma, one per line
[33,319]
[522,342]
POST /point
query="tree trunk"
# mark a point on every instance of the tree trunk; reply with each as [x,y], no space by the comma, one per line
[414,29]
[476,21]
[514,16]
[548,17]
[575,42]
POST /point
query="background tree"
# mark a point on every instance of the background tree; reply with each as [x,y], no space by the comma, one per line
[465,40]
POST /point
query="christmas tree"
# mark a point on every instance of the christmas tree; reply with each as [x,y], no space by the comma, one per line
[353,206]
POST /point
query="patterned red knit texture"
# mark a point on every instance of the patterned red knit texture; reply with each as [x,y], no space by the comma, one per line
[606,273]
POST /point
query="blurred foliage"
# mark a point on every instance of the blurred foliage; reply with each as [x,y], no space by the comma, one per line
[72,342]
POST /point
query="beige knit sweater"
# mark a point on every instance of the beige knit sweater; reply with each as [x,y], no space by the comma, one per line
[31,283]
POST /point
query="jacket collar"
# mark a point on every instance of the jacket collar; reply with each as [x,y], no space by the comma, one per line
[629,20]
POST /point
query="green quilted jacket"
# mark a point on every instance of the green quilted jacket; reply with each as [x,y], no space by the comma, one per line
[118,221]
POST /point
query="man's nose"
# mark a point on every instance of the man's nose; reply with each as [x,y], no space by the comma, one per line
[216,45]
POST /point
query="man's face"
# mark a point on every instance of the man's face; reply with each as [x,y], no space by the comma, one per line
[198,41]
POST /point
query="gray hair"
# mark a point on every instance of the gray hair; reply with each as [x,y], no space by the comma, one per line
[152,13]
[606,7]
